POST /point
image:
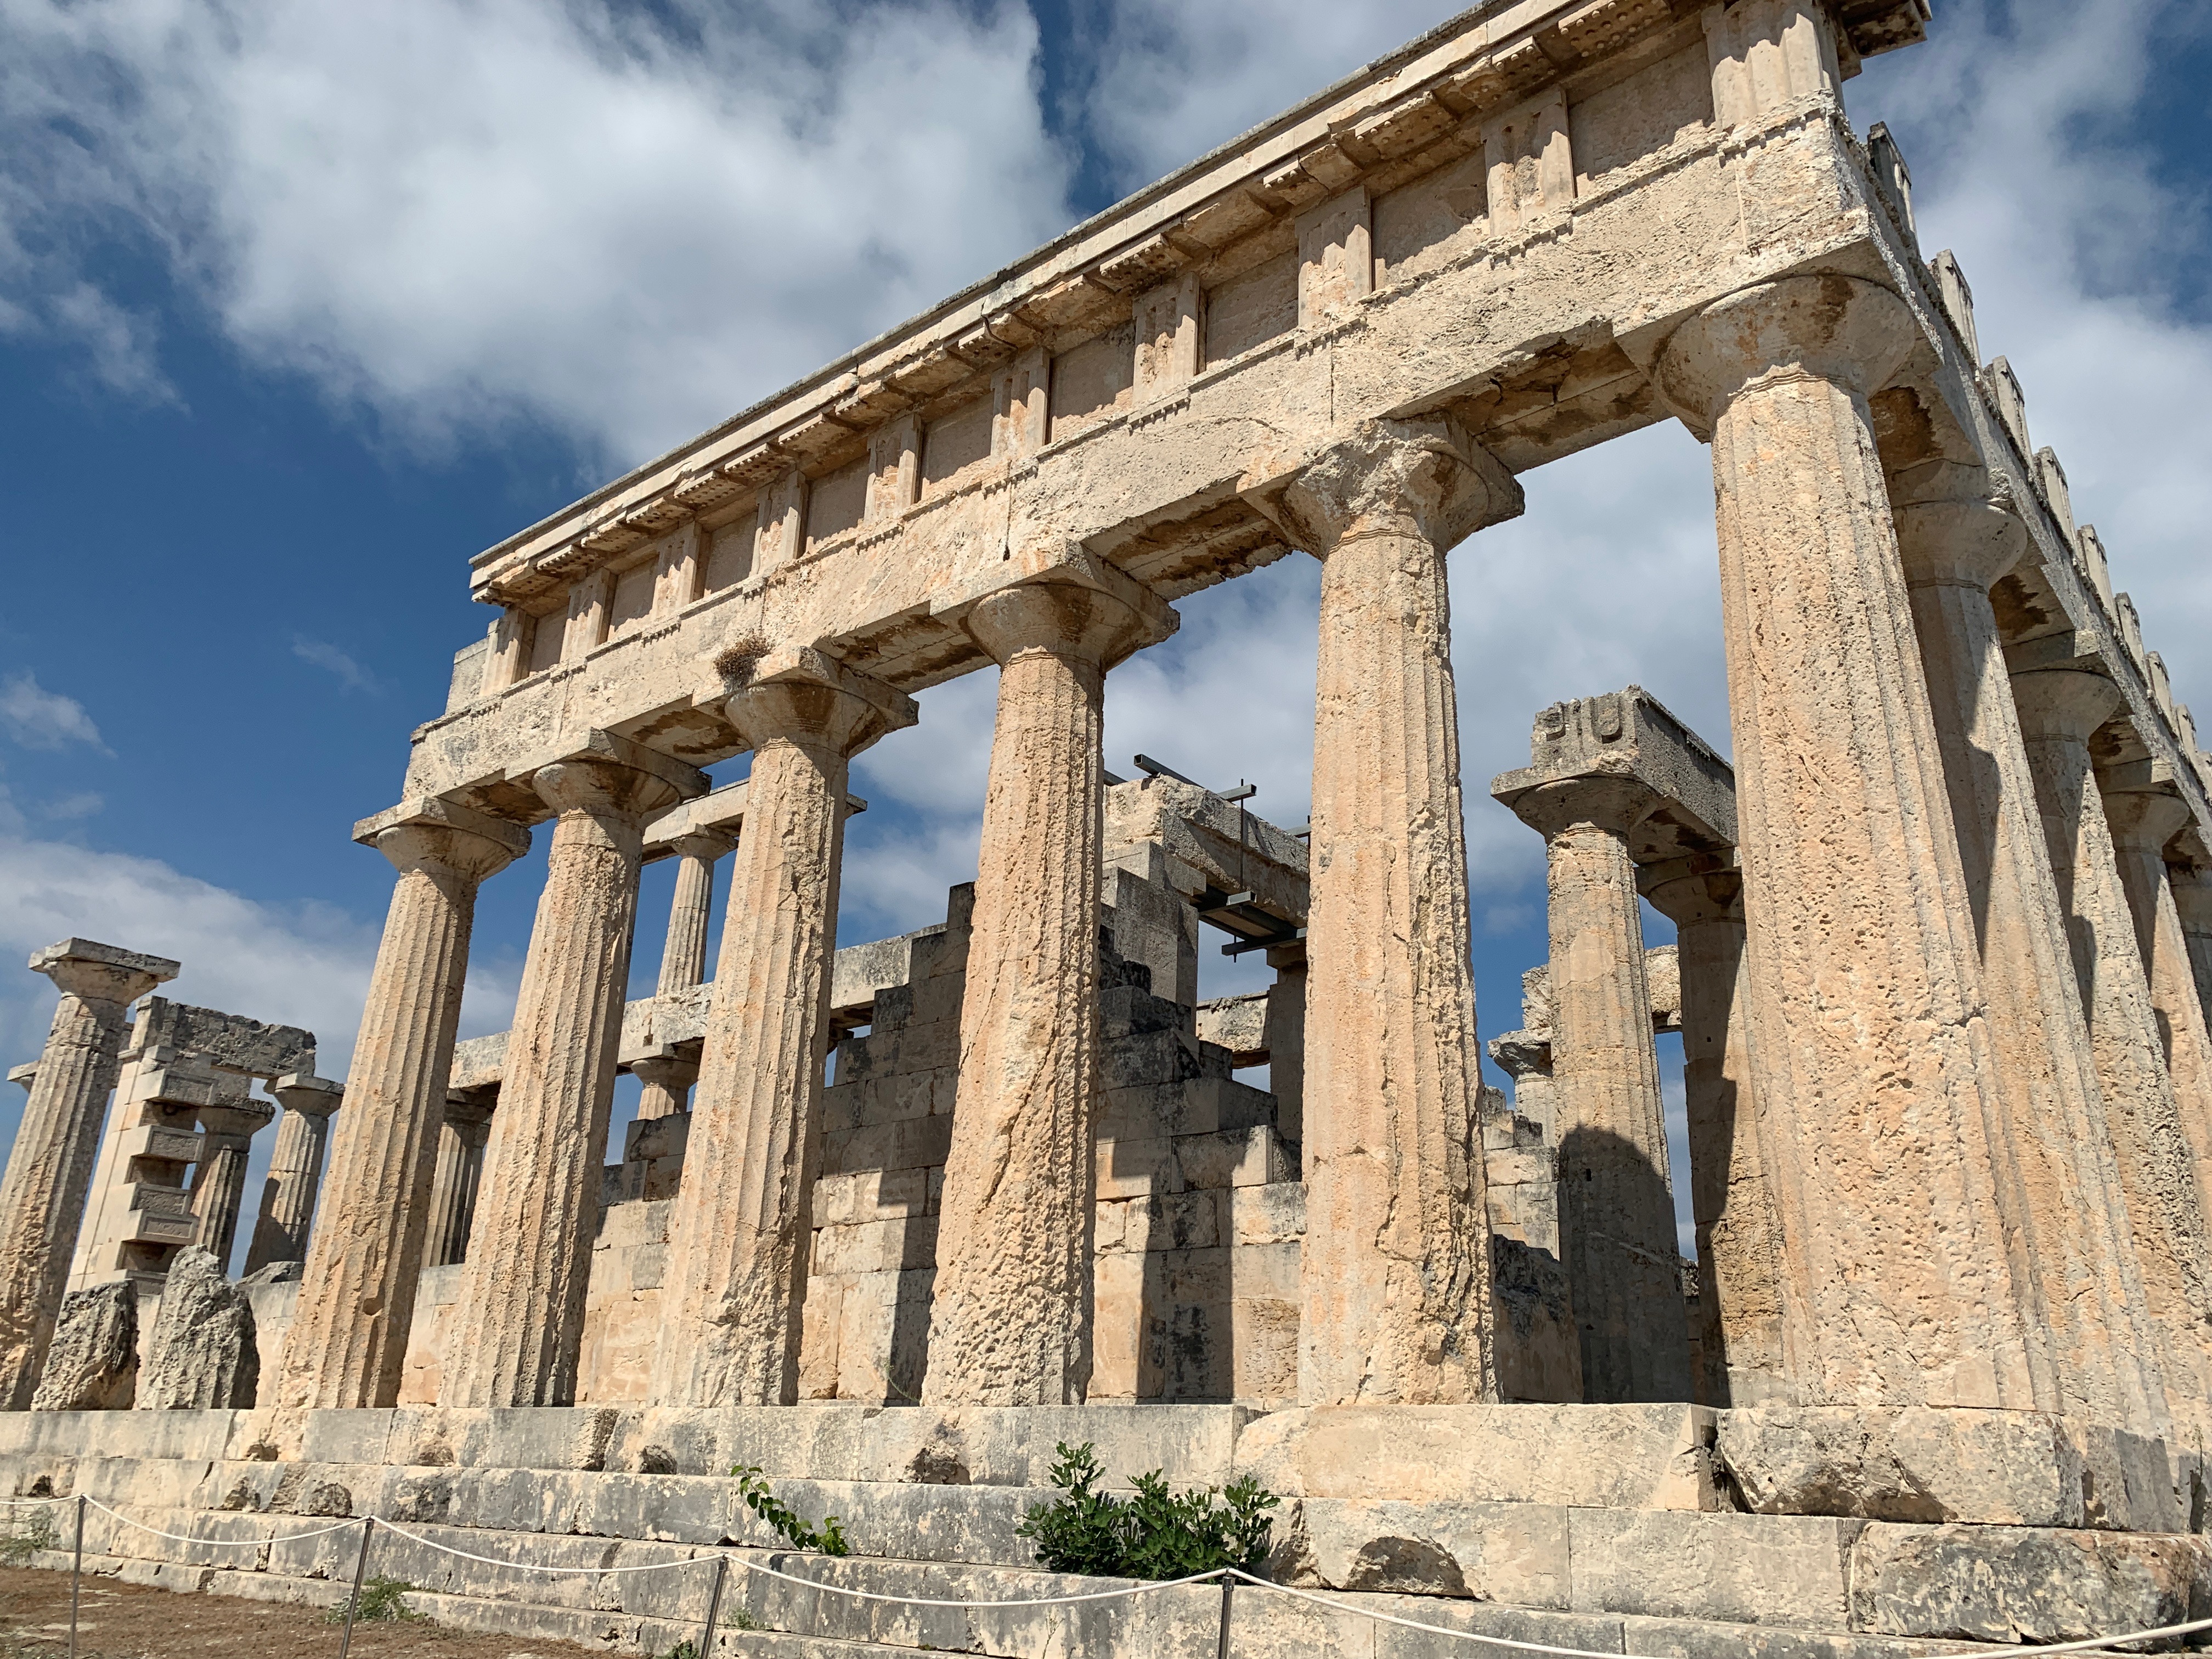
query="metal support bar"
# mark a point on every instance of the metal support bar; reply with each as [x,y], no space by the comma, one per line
[76,1575]
[359,1569]
[714,1606]
[1221,1650]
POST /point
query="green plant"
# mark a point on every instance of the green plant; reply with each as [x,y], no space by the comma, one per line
[829,1538]
[19,1543]
[1156,1535]
[380,1599]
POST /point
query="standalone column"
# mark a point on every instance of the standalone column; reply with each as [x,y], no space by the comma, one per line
[1731,1195]
[684,959]
[522,1295]
[743,1223]
[459,1174]
[667,1081]
[1616,1202]
[2161,1173]
[2073,1251]
[2192,903]
[218,1187]
[296,1169]
[42,1195]
[1010,1322]
[348,1341]
[1394,1286]
[2142,822]
[1869,1051]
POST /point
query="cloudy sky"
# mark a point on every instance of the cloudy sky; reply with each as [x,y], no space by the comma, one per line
[302,305]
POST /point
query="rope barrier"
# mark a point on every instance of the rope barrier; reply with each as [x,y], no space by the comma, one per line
[526,1566]
[221,1543]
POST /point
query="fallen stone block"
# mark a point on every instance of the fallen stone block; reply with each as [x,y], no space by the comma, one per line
[93,1364]
[202,1355]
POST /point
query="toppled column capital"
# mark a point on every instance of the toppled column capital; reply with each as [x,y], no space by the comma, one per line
[439,837]
[81,968]
[1070,620]
[2068,703]
[1425,478]
[802,695]
[1956,524]
[1832,328]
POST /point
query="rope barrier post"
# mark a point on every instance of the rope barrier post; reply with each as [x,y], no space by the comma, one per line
[1227,1585]
[359,1571]
[77,1574]
[714,1605]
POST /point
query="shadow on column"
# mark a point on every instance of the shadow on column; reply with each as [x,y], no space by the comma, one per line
[1608,1194]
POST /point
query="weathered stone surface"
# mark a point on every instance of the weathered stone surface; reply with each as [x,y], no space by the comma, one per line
[202,1354]
[2024,1583]
[683,957]
[296,1169]
[93,1362]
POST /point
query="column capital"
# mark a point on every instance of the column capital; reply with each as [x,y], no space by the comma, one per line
[425,832]
[707,844]
[468,1109]
[1614,804]
[1425,478]
[1826,327]
[1957,526]
[81,968]
[1694,889]
[672,1070]
[608,773]
[2191,884]
[798,695]
[236,1123]
[307,1094]
[2063,702]
[1069,619]
[2146,819]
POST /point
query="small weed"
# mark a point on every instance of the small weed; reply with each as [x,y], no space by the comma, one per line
[19,1543]
[1157,1535]
[829,1538]
[381,1599]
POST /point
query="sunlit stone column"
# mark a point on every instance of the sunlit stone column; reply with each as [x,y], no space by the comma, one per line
[218,1187]
[2161,1171]
[453,1188]
[743,1217]
[2073,1251]
[537,1209]
[1616,1202]
[684,958]
[1010,1322]
[42,1195]
[1870,1055]
[1395,1281]
[2192,903]
[296,1169]
[347,1345]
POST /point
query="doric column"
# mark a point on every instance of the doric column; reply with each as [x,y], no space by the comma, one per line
[218,1187]
[684,958]
[1396,1279]
[2160,1171]
[1731,1191]
[2192,885]
[1284,1029]
[537,1209]
[296,1169]
[743,1218]
[1869,1051]
[1616,1201]
[1010,1321]
[42,1195]
[2066,1225]
[667,1078]
[347,1345]
[459,1174]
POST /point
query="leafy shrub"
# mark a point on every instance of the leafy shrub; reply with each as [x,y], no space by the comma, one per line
[20,1542]
[829,1538]
[381,1598]
[1156,1535]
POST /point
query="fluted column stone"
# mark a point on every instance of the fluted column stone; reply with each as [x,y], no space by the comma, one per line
[1869,1049]
[2192,885]
[742,1227]
[2066,1223]
[537,1208]
[347,1343]
[1011,1317]
[2160,1170]
[683,957]
[218,1188]
[453,1188]
[1616,1201]
[1394,1284]
[296,1169]
[42,1196]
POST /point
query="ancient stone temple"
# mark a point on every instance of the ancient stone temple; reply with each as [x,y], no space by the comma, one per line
[897,1216]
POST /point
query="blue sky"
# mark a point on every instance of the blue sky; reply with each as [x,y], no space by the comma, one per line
[302,306]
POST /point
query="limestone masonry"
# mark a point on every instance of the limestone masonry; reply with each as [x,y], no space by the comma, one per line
[895,1218]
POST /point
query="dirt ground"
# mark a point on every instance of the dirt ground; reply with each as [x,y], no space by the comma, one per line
[125,1621]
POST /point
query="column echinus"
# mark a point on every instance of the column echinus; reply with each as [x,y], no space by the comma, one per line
[347,1343]
[2066,1216]
[1010,1316]
[744,1212]
[2160,1165]
[1394,1286]
[296,1169]
[1869,1051]
[529,1262]
[43,1194]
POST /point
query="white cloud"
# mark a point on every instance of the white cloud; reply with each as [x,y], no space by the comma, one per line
[39,719]
[331,660]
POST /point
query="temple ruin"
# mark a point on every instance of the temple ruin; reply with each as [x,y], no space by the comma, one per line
[897,1217]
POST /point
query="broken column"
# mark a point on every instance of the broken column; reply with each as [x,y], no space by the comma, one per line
[743,1219]
[1395,1278]
[1010,1319]
[347,1343]
[683,957]
[1869,1052]
[2161,1168]
[202,1354]
[218,1188]
[1583,794]
[2066,1221]
[42,1196]
[537,1211]
[296,1169]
